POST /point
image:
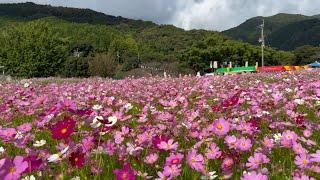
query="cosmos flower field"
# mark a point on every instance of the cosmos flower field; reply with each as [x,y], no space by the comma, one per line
[250,127]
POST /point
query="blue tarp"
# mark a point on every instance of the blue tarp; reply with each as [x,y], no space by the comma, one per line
[315,64]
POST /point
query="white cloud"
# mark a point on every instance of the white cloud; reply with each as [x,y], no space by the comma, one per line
[190,14]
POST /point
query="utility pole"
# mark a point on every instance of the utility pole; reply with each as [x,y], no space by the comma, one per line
[2,67]
[118,56]
[262,43]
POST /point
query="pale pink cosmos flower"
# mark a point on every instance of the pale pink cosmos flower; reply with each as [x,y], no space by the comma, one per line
[195,160]
[288,138]
[267,142]
[151,158]
[168,146]
[244,144]
[253,176]
[302,161]
[220,127]
[307,133]
[256,160]
[231,141]
[213,152]
[172,171]
[299,149]
[315,157]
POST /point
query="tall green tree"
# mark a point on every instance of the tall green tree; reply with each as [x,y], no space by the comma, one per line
[32,50]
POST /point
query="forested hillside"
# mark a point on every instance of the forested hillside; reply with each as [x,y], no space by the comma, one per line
[40,40]
[283,31]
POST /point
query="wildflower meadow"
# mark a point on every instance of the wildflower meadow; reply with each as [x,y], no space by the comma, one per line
[250,127]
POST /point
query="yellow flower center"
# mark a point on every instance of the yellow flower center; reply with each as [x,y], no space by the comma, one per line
[64,130]
[175,161]
[219,126]
[125,176]
[305,162]
[12,169]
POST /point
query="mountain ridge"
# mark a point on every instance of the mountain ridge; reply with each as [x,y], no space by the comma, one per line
[275,25]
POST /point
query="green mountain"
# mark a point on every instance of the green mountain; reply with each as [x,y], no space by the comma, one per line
[42,40]
[283,31]
[31,11]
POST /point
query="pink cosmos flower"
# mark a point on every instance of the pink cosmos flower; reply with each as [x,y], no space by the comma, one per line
[288,138]
[302,161]
[69,104]
[220,127]
[213,152]
[13,170]
[307,133]
[231,141]
[254,176]
[168,146]
[7,134]
[172,171]
[315,157]
[256,160]
[125,174]
[174,159]
[267,142]
[24,128]
[195,161]
[110,147]
[227,163]
[151,158]
[298,149]
[303,177]
[244,144]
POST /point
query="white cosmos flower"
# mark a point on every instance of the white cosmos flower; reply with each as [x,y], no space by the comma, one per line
[211,175]
[57,157]
[19,135]
[97,107]
[54,158]
[26,85]
[299,101]
[112,120]
[1,150]
[29,178]
[95,122]
[40,143]
[128,106]
[277,137]
[75,178]
[289,90]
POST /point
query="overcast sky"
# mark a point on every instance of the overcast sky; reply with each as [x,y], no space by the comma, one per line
[192,14]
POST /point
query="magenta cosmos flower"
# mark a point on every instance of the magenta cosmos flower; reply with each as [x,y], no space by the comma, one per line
[125,174]
[12,170]
[174,159]
[220,127]
[64,128]
[254,176]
